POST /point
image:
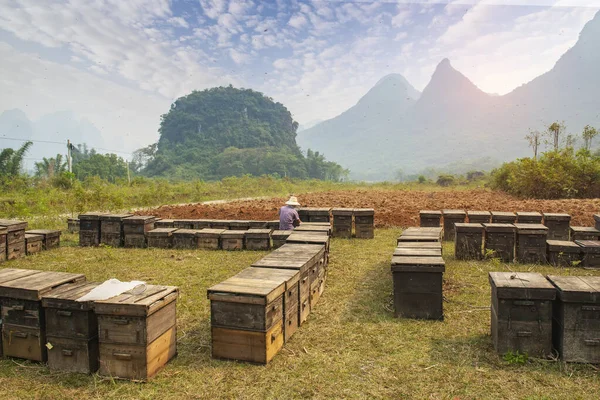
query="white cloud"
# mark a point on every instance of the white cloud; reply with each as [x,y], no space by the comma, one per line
[297,21]
[402,18]
[213,8]
[239,57]
[178,22]
[400,36]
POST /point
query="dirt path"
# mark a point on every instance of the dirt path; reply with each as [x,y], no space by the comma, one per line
[392,207]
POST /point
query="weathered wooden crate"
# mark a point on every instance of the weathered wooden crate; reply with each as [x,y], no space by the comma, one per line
[558,225]
[430,218]
[273,224]
[258,239]
[503,217]
[584,233]
[257,224]
[137,332]
[73,225]
[71,329]
[317,214]
[529,217]
[160,237]
[576,322]
[521,313]
[342,222]
[562,253]
[51,237]
[3,234]
[597,221]
[468,242]
[33,244]
[420,245]
[309,238]
[222,224]
[238,225]
[164,223]
[418,287]
[15,238]
[479,217]
[279,237]
[202,223]
[135,229]
[364,216]
[184,224]
[232,239]
[307,227]
[302,213]
[185,239]
[210,239]
[247,317]
[590,251]
[500,241]
[531,243]
[111,229]
[452,217]
[23,319]
[89,229]
[299,257]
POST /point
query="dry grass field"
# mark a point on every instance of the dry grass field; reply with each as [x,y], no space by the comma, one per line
[350,347]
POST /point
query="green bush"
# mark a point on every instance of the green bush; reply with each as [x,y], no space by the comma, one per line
[555,175]
[446,180]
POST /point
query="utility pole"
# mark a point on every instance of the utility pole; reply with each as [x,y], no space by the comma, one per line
[69,162]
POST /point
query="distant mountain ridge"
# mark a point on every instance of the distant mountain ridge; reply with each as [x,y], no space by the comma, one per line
[394,126]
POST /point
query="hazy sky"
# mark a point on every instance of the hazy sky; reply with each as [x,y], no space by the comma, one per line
[121,63]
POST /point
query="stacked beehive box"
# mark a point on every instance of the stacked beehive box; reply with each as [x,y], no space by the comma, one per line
[209,239]
[531,243]
[342,222]
[111,229]
[238,225]
[529,217]
[313,228]
[468,242]
[33,244]
[183,224]
[279,237]
[15,238]
[413,234]
[258,239]
[452,217]
[137,332]
[316,214]
[584,233]
[597,221]
[185,239]
[135,229]
[71,329]
[430,218]
[500,241]
[50,237]
[503,217]
[161,237]
[89,229]
[233,239]
[558,225]
[522,313]
[23,319]
[479,217]
[164,223]
[364,220]
[562,253]
[590,250]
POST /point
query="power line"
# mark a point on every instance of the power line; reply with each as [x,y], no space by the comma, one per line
[63,143]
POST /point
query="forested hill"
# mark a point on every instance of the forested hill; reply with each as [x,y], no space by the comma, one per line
[226,131]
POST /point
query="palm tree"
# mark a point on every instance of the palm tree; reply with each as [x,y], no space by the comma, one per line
[49,167]
[11,160]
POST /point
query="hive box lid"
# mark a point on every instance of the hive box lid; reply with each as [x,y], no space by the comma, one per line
[433,213]
[529,214]
[161,232]
[133,303]
[531,229]
[577,289]
[90,216]
[65,296]
[522,285]
[557,216]
[33,238]
[479,213]
[500,228]
[114,217]
[418,264]
[209,233]
[165,220]
[451,213]
[364,212]
[292,256]
[257,283]
[563,245]
[139,219]
[307,237]
[233,234]
[468,227]
[585,229]
[589,246]
[13,225]
[32,285]
[419,245]
[503,214]
[289,276]
[313,228]
[417,252]
[45,232]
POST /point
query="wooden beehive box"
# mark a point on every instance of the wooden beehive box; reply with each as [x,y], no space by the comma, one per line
[430,218]
[222,224]
[161,237]
[317,214]
[418,287]
[51,237]
[73,225]
[247,317]
[584,233]
[33,244]
[364,220]
[89,229]
[342,222]
[201,223]
[309,238]
[15,238]
[590,251]
[503,217]
[279,237]
[135,229]
[23,319]
[184,223]
[233,239]
[273,224]
[522,313]
[258,239]
[302,213]
[597,221]
[576,322]
[3,234]
[468,242]
[71,329]
[302,258]
[500,241]
[257,224]
[479,217]
[558,225]
[452,217]
[420,245]
[529,217]
[531,243]
[137,332]
[164,223]
[185,239]
[238,225]
[562,253]
[421,234]
[111,229]
[307,227]
[210,239]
